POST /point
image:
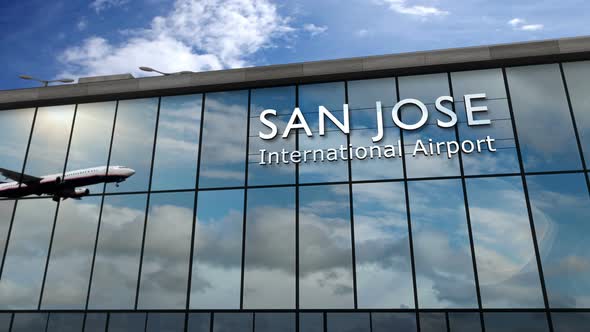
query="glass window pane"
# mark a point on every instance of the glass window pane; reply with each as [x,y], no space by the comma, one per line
[576,75]
[570,321]
[224,139]
[127,322]
[68,273]
[311,322]
[433,322]
[26,255]
[490,82]
[269,273]
[383,264]
[464,321]
[5,319]
[331,96]
[426,88]
[199,322]
[515,322]
[15,128]
[95,322]
[348,322]
[164,273]
[442,252]
[386,322]
[6,211]
[217,258]
[91,139]
[232,322]
[165,322]
[363,94]
[49,143]
[282,100]
[506,261]
[561,210]
[29,322]
[133,142]
[274,321]
[177,144]
[325,253]
[65,322]
[114,282]
[540,107]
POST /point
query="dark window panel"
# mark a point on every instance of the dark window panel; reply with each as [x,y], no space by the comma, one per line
[177,144]
[6,210]
[576,75]
[199,322]
[49,143]
[464,321]
[223,151]
[65,322]
[95,322]
[29,322]
[386,322]
[540,107]
[68,273]
[165,322]
[232,322]
[269,272]
[133,142]
[274,321]
[363,94]
[348,322]
[114,282]
[442,252]
[506,261]
[325,253]
[91,138]
[433,322]
[282,100]
[311,322]
[5,319]
[488,81]
[15,127]
[217,259]
[570,321]
[164,274]
[127,322]
[26,255]
[515,322]
[561,210]
[331,96]
[426,88]
[383,264]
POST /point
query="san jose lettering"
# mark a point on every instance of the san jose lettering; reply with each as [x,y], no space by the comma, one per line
[298,121]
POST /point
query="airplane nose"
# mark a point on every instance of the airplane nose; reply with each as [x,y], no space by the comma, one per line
[130,172]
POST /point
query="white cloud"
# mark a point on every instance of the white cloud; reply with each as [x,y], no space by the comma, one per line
[362,32]
[82,24]
[519,24]
[194,35]
[314,30]
[402,7]
[100,5]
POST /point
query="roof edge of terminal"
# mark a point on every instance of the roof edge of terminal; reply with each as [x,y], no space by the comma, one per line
[475,57]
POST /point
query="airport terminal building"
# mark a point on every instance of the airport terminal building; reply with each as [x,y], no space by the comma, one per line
[421,192]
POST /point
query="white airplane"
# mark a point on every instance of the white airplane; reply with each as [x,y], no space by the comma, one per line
[61,187]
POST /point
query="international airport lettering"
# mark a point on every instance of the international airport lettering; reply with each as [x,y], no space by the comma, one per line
[420,147]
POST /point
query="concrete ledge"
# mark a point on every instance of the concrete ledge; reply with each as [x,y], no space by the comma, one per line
[97,89]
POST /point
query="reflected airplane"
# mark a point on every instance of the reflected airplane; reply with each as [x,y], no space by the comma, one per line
[58,187]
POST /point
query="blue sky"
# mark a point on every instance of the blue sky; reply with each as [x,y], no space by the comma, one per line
[49,39]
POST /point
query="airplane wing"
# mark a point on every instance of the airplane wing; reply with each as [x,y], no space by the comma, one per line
[17,176]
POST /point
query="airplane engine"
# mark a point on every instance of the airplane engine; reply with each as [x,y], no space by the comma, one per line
[80,192]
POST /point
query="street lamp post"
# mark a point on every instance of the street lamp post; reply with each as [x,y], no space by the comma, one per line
[46,82]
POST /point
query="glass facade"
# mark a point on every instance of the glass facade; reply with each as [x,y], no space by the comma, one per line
[205,237]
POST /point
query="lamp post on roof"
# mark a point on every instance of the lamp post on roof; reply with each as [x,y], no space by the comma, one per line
[46,82]
[150,69]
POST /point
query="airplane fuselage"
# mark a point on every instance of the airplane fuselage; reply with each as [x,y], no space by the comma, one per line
[65,185]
